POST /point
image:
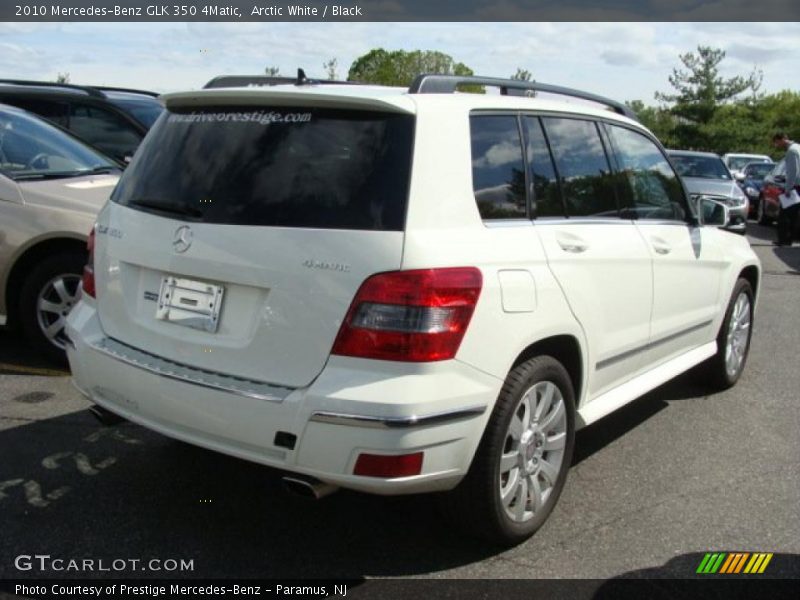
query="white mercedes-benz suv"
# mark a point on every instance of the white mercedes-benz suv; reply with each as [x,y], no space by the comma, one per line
[404,290]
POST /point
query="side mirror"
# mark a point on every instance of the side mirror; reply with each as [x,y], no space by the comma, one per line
[712,212]
[780,178]
[739,176]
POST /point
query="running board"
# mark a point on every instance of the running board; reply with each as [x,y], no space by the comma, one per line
[639,386]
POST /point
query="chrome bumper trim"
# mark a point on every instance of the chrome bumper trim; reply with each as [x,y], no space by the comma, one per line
[396,422]
[192,375]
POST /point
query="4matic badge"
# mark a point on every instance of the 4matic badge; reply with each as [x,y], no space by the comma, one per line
[326,266]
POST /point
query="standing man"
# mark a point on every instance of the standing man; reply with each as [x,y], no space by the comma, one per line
[787,220]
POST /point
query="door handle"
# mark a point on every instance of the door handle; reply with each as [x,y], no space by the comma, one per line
[573,247]
[660,246]
[571,243]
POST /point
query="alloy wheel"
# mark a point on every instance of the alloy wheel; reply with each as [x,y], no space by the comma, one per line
[738,335]
[53,304]
[533,451]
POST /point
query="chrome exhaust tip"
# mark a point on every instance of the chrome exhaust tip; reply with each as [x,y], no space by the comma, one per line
[105,416]
[308,487]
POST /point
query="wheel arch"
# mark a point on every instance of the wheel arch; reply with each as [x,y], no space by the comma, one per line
[753,277]
[567,350]
[27,260]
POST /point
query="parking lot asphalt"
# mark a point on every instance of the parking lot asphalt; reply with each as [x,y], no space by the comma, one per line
[673,475]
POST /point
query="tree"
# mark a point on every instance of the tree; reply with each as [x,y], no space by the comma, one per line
[701,90]
[62,78]
[330,68]
[659,120]
[272,71]
[522,75]
[399,68]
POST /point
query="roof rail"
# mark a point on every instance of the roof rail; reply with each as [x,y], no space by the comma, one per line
[105,88]
[448,84]
[91,91]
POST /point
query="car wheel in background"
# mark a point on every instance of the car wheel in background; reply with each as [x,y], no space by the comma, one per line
[48,294]
[761,213]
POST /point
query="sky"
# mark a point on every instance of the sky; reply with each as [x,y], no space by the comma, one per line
[624,61]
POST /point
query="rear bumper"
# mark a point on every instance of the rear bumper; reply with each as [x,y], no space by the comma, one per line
[353,406]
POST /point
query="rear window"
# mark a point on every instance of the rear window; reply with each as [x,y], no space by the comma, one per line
[698,165]
[144,111]
[284,167]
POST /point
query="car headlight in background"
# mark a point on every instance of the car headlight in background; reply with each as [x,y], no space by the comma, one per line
[751,191]
[738,198]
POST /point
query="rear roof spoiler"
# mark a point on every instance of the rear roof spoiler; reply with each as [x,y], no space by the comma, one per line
[224,81]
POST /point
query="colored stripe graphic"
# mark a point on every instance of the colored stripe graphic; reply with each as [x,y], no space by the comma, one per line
[711,562]
[742,559]
[765,563]
[703,563]
[734,563]
[727,564]
[758,563]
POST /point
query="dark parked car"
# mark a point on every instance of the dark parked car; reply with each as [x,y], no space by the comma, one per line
[705,175]
[754,174]
[113,120]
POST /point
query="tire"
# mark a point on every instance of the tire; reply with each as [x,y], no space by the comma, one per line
[47,295]
[477,504]
[723,370]
[761,213]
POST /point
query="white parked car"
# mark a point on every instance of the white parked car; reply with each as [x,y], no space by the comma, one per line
[401,291]
[737,162]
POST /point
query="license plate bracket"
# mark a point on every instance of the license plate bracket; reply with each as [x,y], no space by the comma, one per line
[190,303]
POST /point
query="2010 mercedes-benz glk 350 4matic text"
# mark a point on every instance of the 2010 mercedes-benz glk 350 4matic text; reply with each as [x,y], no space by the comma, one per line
[402,291]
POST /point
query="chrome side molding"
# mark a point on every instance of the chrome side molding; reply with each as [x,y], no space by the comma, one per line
[396,422]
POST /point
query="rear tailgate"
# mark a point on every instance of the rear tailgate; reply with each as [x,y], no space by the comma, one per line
[238,236]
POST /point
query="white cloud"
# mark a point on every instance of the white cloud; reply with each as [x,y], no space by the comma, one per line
[499,154]
[619,59]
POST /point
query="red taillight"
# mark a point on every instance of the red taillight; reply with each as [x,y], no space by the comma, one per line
[381,465]
[412,316]
[87,282]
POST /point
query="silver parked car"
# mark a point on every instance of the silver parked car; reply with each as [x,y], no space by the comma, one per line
[51,188]
[704,174]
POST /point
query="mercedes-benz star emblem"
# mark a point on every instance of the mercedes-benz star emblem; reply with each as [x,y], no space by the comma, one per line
[182,239]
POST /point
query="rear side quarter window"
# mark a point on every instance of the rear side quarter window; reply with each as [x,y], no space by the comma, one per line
[498,169]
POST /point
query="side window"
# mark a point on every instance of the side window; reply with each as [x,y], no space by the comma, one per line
[498,171]
[580,157]
[546,194]
[651,189]
[104,130]
[52,111]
